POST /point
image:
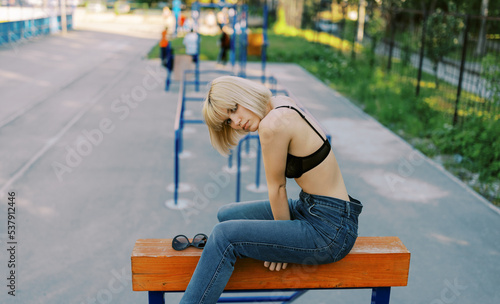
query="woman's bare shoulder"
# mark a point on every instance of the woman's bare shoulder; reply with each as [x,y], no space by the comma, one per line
[276,125]
[283,100]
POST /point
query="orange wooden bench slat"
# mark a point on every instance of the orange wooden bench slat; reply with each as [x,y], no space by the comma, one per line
[373,262]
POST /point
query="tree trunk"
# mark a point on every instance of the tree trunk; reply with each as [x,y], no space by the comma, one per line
[293,12]
[481,43]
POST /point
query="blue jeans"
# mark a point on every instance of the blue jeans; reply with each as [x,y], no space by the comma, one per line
[321,230]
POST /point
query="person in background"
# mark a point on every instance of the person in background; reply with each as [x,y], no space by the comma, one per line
[191,43]
[164,46]
[166,56]
[225,45]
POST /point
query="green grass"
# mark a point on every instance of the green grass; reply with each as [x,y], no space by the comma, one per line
[208,45]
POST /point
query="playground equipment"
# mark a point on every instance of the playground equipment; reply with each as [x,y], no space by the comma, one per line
[181,121]
[238,18]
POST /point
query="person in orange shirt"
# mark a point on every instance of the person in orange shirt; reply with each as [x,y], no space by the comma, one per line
[166,56]
[163,45]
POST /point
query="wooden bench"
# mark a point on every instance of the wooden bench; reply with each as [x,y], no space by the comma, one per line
[375,262]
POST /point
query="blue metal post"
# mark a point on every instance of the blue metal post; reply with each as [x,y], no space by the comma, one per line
[167,81]
[156,297]
[243,40]
[247,147]
[263,53]
[232,54]
[181,121]
[238,171]
[257,173]
[176,8]
[196,14]
[381,295]
[230,159]
[176,167]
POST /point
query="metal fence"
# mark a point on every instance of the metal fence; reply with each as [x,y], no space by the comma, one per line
[453,58]
[14,31]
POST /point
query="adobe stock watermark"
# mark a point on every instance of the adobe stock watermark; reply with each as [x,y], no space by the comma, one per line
[406,168]
[121,107]
[201,200]
[450,293]
[119,282]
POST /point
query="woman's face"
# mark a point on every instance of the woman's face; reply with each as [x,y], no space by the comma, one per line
[240,118]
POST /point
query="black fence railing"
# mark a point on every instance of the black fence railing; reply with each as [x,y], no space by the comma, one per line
[455,55]
[453,60]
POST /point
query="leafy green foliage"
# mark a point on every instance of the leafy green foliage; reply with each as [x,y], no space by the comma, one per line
[390,98]
[491,73]
[440,37]
[477,141]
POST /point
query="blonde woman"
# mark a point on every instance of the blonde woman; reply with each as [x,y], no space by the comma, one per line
[318,227]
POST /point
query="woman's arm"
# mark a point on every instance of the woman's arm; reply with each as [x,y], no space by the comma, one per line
[274,139]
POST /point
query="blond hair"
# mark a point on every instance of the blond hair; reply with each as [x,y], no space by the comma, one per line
[225,93]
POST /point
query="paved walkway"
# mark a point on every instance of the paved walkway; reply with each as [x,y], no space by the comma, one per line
[87,145]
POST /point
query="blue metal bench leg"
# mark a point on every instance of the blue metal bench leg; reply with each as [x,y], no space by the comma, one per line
[167,82]
[381,295]
[156,297]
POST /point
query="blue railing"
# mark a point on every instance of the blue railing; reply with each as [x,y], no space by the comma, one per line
[25,29]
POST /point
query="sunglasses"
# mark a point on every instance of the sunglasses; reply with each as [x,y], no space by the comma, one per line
[181,242]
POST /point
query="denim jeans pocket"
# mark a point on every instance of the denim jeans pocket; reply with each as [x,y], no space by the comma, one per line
[348,243]
[328,217]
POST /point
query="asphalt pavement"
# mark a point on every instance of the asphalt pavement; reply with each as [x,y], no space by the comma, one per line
[87,132]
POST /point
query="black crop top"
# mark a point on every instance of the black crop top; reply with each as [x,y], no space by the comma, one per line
[295,165]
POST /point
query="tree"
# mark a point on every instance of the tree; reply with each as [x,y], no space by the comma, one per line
[491,75]
[375,30]
[481,43]
[441,37]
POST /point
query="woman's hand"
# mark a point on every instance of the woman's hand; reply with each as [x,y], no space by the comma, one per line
[275,266]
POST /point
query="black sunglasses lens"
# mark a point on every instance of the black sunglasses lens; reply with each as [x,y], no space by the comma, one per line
[180,242]
[200,240]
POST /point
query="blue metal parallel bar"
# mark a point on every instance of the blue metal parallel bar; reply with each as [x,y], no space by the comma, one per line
[283,299]
[194,99]
[194,121]
[186,72]
[196,83]
[296,295]
[381,295]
